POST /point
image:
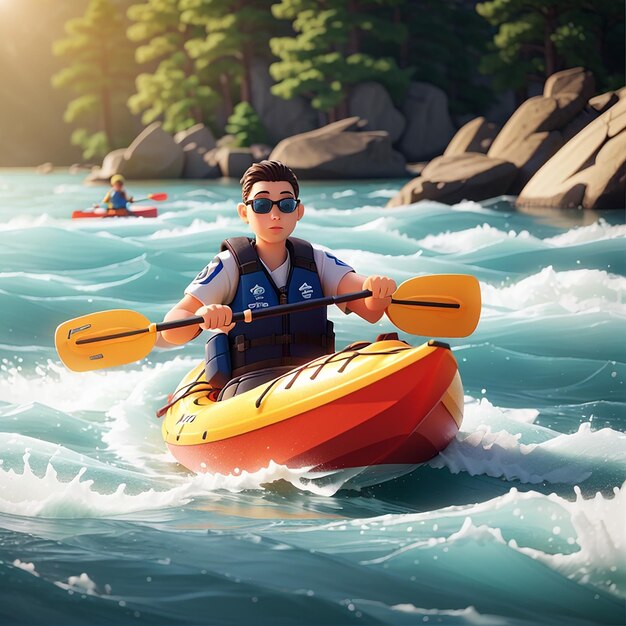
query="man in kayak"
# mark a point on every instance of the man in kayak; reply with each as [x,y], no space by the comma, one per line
[116,200]
[271,269]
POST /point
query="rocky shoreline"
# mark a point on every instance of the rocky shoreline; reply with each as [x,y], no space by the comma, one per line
[565,148]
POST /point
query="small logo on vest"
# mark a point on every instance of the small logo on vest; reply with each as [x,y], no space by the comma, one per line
[306,290]
[258,305]
[257,291]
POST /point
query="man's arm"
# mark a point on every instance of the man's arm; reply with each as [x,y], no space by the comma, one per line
[216,317]
[372,308]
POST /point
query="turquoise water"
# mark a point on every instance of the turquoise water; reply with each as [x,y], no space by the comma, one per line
[519,521]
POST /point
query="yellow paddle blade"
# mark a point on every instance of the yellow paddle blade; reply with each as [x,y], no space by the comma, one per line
[449,289]
[109,353]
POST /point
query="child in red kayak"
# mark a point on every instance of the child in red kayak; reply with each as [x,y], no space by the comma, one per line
[272,268]
[116,199]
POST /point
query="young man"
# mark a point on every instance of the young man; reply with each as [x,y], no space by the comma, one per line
[272,269]
[116,199]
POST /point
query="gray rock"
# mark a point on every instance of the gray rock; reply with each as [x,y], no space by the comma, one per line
[233,162]
[153,154]
[113,163]
[589,171]
[337,151]
[533,133]
[451,179]
[199,135]
[281,118]
[371,102]
[196,165]
[428,124]
[477,135]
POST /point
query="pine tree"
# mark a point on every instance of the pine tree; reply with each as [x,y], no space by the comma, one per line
[235,32]
[246,126]
[327,54]
[176,91]
[100,57]
[445,44]
[536,38]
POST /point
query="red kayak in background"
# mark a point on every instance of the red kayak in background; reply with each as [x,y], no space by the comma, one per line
[142,211]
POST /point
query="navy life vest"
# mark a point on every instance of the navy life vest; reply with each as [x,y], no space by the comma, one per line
[286,340]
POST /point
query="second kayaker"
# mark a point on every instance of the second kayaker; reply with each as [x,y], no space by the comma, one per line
[273,268]
[117,200]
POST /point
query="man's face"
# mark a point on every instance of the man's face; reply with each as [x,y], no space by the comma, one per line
[274,226]
[117,185]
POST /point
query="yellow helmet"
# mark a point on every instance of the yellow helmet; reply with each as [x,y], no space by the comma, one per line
[118,178]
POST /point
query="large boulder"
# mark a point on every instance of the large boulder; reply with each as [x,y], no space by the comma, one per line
[338,151]
[153,154]
[452,179]
[196,143]
[233,162]
[199,134]
[477,135]
[589,171]
[372,103]
[532,136]
[428,124]
[198,164]
[281,118]
[112,163]
[533,133]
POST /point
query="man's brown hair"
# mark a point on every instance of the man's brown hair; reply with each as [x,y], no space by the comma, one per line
[272,171]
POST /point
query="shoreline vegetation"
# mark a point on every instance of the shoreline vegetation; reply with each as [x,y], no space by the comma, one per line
[451,91]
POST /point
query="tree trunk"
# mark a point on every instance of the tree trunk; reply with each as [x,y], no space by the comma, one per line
[549,47]
[105,97]
[226,94]
[354,43]
[404,45]
[246,87]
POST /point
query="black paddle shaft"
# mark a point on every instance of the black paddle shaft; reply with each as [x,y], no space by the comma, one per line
[281,309]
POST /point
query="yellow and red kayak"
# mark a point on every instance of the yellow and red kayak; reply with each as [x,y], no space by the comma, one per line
[141,211]
[375,411]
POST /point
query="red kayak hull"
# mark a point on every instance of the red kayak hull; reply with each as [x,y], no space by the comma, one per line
[403,420]
[142,211]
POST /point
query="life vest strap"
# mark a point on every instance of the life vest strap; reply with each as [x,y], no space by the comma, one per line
[241,344]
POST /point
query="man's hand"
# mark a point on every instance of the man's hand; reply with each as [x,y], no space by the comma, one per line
[382,288]
[216,317]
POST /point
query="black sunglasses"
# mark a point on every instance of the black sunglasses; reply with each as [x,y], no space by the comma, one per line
[264,205]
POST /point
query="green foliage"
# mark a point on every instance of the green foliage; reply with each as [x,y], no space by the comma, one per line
[232,37]
[176,90]
[94,145]
[327,53]
[535,38]
[99,55]
[246,126]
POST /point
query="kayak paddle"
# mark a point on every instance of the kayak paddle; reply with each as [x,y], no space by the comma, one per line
[446,305]
[157,197]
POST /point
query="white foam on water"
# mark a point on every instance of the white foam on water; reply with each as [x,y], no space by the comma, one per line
[468,240]
[27,567]
[468,615]
[567,459]
[600,525]
[197,226]
[597,231]
[55,386]
[596,551]
[451,242]
[29,494]
[572,291]
[79,584]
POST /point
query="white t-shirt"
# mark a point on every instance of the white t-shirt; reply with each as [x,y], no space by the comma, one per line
[217,282]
